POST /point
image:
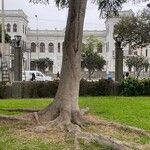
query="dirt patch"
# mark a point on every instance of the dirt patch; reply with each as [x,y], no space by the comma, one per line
[134,140]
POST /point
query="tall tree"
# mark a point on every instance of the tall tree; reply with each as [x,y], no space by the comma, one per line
[65,108]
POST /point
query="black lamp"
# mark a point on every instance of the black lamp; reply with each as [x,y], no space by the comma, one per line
[17,40]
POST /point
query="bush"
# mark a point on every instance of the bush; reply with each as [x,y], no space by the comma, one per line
[39,89]
[132,87]
[99,88]
[5,91]
[146,83]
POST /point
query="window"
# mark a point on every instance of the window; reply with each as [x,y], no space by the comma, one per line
[23,28]
[135,53]
[8,27]
[99,47]
[33,47]
[51,47]
[39,74]
[58,47]
[15,27]
[42,47]
[146,52]
[107,47]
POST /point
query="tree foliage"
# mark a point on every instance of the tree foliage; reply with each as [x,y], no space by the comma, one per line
[134,30]
[138,62]
[7,37]
[42,63]
[91,60]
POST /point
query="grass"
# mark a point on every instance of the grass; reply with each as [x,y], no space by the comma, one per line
[134,111]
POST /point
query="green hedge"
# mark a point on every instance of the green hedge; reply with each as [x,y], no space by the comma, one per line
[135,87]
[99,88]
[40,89]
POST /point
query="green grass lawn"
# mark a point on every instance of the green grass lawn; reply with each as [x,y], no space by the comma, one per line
[134,111]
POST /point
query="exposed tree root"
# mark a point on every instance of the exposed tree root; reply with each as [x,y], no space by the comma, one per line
[72,125]
[20,109]
[63,122]
[4,118]
[118,126]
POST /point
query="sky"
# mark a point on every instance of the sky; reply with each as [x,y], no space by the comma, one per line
[50,18]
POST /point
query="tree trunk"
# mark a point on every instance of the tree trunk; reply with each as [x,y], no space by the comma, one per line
[65,105]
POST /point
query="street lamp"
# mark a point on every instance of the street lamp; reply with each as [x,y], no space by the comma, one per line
[118,58]
[18,40]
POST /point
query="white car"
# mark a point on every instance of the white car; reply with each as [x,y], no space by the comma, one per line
[39,76]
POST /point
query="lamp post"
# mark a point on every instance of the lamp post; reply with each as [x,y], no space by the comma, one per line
[118,59]
[17,58]
[37,35]
[3,29]
[0,66]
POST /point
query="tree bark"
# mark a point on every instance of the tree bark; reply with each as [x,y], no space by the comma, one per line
[65,105]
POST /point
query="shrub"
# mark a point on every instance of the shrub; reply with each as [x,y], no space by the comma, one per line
[98,88]
[132,87]
[146,83]
[39,89]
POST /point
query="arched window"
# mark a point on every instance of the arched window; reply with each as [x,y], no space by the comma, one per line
[146,53]
[15,27]
[42,47]
[23,28]
[8,27]
[33,47]
[58,47]
[51,47]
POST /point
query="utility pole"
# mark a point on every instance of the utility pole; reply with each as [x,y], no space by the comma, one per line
[3,29]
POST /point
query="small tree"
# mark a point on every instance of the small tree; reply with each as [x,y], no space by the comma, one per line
[139,63]
[7,37]
[42,63]
[91,60]
[134,30]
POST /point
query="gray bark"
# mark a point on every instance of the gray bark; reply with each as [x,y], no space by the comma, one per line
[66,99]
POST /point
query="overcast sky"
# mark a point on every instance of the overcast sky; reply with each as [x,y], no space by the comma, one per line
[50,17]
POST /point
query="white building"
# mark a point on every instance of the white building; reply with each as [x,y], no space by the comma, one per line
[48,43]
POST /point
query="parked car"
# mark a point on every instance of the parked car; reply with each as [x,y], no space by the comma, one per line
[39,76]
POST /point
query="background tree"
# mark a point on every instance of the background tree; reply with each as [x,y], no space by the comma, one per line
[139,63]
[42,64]
[7,37]
[134,30]
[91,59]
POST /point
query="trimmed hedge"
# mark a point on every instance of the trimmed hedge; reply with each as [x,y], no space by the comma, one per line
[99,88]
[135,87]
[41,89]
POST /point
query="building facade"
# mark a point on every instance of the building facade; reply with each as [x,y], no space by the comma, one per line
[39,44]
